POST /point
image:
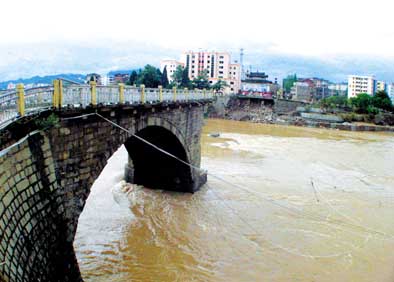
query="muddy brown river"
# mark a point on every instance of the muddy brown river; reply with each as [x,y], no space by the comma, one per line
[283,204]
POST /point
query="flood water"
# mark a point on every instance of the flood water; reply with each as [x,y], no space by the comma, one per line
[288,204]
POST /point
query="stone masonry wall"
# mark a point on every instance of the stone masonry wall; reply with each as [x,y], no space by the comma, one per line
[31,216]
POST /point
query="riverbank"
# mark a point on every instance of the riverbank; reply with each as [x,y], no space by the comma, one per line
[283,113]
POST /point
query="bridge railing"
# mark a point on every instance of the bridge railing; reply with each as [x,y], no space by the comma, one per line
[108,95]
[152,95]
[8,106]
[131,95]
[38,98]
[17,103]
[76,95]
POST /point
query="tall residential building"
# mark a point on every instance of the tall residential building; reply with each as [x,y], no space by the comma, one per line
[170,66]
[360,84]
[380,86]
[390,91]
[217,65]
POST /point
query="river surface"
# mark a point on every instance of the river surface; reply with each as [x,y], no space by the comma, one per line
[283,204]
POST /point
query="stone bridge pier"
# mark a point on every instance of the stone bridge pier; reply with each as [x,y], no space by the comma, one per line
[47,169]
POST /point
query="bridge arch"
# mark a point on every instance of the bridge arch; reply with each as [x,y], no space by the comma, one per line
[155,169]
[48,175]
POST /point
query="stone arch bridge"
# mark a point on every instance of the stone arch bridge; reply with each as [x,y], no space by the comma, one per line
[49,160]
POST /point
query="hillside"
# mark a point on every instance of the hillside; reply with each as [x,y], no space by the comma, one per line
[44,79]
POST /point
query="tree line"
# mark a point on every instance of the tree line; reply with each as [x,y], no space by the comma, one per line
[362,103]
[152,77]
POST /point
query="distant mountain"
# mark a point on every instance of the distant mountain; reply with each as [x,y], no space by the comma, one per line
[25,60]
[48,79]
[120,71]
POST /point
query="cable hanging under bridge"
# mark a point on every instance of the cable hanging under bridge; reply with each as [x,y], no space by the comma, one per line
[332,223]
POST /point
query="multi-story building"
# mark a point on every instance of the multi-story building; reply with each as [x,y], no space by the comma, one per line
[105,80]
[360,84]
[390,91]
[380,86]
[217,65]
[116,78]
[171,66]
[337,89]
[256,84]
[302,91]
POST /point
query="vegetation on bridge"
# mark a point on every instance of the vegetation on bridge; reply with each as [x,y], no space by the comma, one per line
[45,123]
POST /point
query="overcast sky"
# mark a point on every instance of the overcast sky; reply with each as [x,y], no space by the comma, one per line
[331,38]
[303,27]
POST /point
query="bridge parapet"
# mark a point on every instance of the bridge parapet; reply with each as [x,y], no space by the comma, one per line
[18,103]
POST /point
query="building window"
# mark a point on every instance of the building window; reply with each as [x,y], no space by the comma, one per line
[221,67]
[212,65]
[221,62]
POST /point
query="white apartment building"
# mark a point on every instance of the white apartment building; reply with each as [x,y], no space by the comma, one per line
[390,91]
[217,65]
[360,84]
[171,66]
[380,86]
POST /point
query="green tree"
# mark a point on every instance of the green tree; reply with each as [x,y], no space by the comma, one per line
[219,85]
[164,78]
[361,102]
[177,76]
[201,81]
[288,82]
[382,101]
[334,102]
[185,78]
[133,78]
[150,77]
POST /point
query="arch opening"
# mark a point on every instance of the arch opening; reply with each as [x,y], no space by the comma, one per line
[154,169]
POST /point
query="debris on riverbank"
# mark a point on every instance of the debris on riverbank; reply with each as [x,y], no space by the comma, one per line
[293,113]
